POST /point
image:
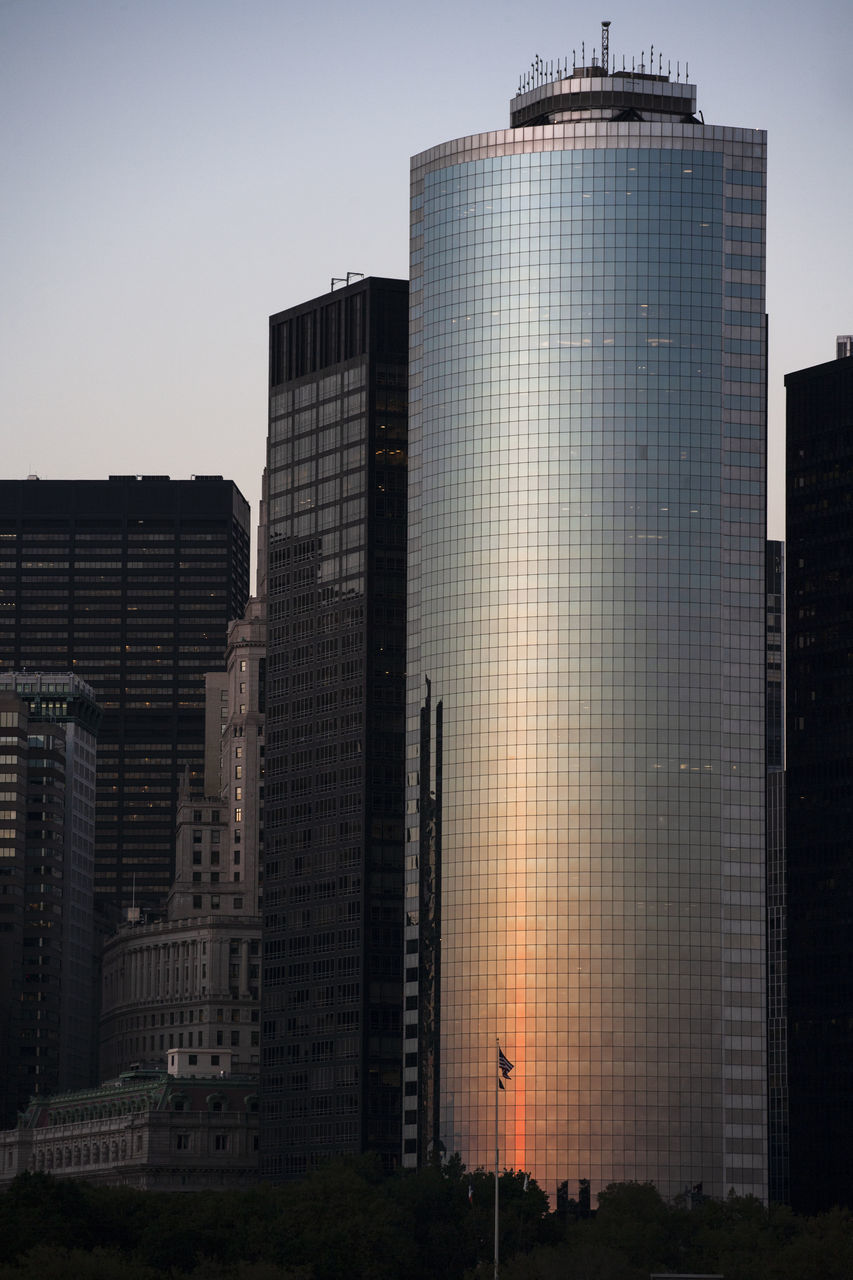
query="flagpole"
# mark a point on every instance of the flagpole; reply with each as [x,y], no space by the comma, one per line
[497,1147]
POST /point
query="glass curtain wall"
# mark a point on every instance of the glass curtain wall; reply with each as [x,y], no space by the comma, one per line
[587,444]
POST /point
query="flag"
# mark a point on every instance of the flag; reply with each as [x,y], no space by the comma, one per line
[470,1192]
[504,1064]
[526,1181]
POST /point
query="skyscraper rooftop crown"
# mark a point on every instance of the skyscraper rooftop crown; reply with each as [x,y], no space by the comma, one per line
[550,93]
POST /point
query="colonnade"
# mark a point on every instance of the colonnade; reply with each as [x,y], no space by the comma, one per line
[190,968]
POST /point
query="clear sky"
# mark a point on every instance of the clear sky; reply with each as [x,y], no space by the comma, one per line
[174,171]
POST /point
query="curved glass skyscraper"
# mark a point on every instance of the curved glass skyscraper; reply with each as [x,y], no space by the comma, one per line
[586,666]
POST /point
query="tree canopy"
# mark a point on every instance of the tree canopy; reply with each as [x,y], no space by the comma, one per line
[351,1221]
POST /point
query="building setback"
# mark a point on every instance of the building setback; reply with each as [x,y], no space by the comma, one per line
[586,601]
[130,583]
[819,786]
[331,991]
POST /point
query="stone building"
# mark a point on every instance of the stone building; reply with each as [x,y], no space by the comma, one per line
[192,980]
[147,1129]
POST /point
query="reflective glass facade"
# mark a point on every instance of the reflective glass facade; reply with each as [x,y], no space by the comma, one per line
[586,578]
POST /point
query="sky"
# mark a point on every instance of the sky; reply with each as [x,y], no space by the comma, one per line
[175,171]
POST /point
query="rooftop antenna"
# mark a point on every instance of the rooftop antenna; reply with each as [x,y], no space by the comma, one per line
[687,71]
[652,59]
[605,45]
[583,53]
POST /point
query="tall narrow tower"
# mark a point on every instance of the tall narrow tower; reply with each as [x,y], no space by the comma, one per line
[586,579]
[333,805]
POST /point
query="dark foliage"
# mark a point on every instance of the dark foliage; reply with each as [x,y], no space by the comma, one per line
[348,1221]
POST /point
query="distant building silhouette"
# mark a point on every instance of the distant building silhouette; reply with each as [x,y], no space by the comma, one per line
[819,789]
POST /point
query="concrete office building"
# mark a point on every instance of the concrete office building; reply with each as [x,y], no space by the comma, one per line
[819,790]
[130,583]
[332,989]
[586,601]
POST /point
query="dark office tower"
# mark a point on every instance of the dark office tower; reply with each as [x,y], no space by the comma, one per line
[49,741]
[129,582]
[14,720]
[586,598]
[777,958]
[819,562]
[333,811]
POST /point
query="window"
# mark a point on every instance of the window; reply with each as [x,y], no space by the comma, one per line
[220,1142]
[197,902]
[182,1141]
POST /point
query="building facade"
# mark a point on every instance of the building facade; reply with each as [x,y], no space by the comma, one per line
[819,791]
[586,604]
[49,852]
[130,583]
[149,1130]
[332,992]
[190,983]
[777,881]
